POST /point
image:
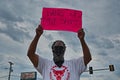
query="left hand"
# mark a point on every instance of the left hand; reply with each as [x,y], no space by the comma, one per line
[81,34]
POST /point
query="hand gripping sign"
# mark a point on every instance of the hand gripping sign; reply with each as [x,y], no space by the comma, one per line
[61,19]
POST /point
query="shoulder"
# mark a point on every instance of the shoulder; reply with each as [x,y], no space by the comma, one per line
[75,59]
[42,59]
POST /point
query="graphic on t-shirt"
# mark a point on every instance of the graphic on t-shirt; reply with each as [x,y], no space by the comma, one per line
[57,73]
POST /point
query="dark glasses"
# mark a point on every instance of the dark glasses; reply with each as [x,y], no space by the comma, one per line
[58,47]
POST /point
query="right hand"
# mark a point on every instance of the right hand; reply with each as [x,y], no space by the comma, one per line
[39,30]
[81,34]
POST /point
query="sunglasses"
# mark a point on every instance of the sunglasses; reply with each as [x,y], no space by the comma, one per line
[58,50]
[58,47]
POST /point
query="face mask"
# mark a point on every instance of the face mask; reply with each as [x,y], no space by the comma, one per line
[58,50]
[58,53]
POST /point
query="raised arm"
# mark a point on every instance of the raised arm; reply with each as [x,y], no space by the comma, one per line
[86,51]
[32,48]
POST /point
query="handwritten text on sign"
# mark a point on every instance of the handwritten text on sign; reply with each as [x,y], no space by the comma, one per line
[61,19]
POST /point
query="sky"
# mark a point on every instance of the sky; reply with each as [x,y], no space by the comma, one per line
[100,20]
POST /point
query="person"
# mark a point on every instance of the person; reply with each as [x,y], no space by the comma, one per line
[58,68]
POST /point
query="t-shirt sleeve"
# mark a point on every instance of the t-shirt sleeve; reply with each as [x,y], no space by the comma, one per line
[41,64]
[80,66]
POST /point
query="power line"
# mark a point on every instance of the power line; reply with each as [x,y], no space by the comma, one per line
[15,75]
[4,76]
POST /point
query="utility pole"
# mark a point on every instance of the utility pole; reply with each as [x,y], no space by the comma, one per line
[10,70]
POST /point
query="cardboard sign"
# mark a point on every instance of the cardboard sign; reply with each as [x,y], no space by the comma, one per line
[61,19]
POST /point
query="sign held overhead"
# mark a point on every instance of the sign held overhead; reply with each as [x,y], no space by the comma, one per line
[61,19]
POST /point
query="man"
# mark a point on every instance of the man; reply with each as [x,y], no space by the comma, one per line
[58,68]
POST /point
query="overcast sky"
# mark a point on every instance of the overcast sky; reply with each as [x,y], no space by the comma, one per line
[101,20]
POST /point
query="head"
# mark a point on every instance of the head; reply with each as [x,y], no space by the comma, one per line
[58,49]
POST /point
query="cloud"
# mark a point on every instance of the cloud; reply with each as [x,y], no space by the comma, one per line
[15,32]
[19,18]
[103,17]
[11,19]
[104,43]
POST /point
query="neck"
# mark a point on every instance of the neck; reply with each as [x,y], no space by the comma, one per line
[59,63]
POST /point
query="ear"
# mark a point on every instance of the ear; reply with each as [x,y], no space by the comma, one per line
[53,50]
[64,49]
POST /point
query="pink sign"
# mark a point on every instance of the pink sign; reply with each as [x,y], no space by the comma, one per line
[61,19]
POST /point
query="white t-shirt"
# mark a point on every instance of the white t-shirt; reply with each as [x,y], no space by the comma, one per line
[71,69]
